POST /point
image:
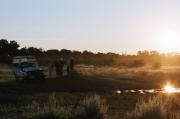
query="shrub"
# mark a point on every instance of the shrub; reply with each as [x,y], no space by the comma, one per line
[93,108]
[161,107]
[138,63]
[153,109]
[156,65]
[49,110]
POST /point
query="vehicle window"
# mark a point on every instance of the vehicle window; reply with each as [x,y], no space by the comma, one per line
[28,64]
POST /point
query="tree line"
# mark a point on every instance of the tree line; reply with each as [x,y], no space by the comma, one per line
[9,49]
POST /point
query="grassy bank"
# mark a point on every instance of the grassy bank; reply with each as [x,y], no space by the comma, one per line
[71,93]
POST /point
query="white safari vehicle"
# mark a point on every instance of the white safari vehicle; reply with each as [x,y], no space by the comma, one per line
[27,68]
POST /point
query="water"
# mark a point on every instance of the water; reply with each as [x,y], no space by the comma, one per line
[151,91]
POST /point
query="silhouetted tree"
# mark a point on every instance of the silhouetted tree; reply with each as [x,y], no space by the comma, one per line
[76,53]
[35,51]
[52,52]
[13,48]
[87,53]
[31,51]
[8,50]
[3,46]
[154,53]
[23,51]
[143,53]
[65,53]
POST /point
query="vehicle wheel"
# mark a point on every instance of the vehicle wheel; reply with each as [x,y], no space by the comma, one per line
[42,79]
[17,78]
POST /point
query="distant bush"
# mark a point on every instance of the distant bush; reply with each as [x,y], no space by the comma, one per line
[138,63]
[156,65]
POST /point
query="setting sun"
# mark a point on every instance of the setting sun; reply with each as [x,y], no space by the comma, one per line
[169,40]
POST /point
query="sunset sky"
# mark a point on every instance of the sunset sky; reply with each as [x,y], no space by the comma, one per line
[95,25]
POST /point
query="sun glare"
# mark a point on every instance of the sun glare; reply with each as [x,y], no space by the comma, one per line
[169,41]
[169,89]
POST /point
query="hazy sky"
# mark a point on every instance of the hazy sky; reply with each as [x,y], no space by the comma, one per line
[95,25]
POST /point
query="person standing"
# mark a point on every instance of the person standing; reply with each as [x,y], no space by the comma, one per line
[50,68]
[61,66]
[71,64]
[68,67]
[56,67]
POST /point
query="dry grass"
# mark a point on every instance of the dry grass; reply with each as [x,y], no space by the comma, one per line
[90,79]
[5,73]
[49,110]
[160,107]
[93,107]
[142,77]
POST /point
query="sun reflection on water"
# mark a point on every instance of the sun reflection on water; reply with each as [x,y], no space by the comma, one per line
[170,89]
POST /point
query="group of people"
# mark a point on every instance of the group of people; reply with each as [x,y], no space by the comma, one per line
[61,65]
